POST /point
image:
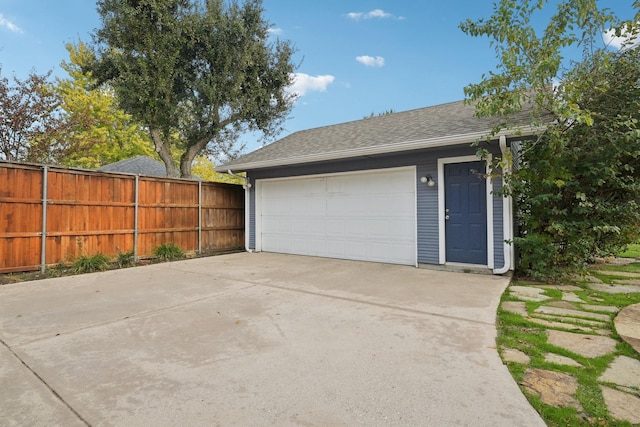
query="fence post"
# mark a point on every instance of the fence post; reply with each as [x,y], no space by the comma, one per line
[135,220]
[200,217]
[43,247]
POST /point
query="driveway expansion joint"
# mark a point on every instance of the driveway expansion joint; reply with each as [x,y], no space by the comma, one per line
[133,316]
[376,304]
[42,380]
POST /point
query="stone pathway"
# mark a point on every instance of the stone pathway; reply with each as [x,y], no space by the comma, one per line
[627,324]
[577,324]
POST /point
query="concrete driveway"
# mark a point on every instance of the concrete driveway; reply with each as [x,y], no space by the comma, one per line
[257,339]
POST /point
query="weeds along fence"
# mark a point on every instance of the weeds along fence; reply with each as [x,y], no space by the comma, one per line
[50,215]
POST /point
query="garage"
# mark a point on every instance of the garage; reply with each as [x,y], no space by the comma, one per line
[381,189]
[367,216]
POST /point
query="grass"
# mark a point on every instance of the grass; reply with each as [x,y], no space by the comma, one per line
[633,251]
[168,252]
[634,267]
[125,259]
[518,332]
[89,264]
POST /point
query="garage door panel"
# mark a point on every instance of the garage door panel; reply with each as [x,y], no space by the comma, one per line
[316,227]
[336,226]
[348,205]
[406,229]
[365,216]
[357,250]
[304,225]
[337,247]
[400,205]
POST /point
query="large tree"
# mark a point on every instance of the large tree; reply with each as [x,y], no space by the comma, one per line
[94,121]
[196,73]
[30,120]
[576,183]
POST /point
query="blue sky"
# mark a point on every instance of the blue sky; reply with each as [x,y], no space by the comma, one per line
[356,57]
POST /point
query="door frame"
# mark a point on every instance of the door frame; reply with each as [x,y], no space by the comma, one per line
[441,221]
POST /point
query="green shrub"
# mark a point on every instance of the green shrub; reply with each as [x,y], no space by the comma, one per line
[168,252]
[125,259]
[88,264]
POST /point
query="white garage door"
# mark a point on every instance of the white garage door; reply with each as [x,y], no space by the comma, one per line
[368,216]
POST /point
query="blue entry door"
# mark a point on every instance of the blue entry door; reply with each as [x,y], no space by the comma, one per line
[465,213]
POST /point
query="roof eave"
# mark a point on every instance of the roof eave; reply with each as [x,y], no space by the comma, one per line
[381,149]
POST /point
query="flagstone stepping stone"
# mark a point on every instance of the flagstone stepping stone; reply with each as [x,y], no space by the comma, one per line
[629,282]
[571,297]
[622,406]
[553,388]
[528,293]
[516,307]
[615,261]
[545,309]
[620,273]
[624,371]
[571,320]
[615,289]
[584,345]
[516,356]
[627,324]
[563,288]
[560,325]
[561,360]
[562,304]
[607,308]
[593,279]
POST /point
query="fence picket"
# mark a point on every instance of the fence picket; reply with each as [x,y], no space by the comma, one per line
[80,212]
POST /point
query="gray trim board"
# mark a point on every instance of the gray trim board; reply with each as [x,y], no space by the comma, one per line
[498,225]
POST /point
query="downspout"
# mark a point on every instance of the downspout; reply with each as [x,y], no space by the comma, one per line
[247,201]
[507,218]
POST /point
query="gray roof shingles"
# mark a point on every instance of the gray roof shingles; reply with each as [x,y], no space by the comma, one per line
[140,165]
[430,123]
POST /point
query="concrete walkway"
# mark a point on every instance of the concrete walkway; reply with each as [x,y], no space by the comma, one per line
[257,339]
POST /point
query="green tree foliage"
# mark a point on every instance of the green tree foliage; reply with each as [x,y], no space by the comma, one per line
[203,167]
[30,120]
[202,70]
[577,184]
[95,122]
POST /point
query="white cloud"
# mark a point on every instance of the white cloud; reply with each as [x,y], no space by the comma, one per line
[371,61]
[375,13]
[275,31]
[622,42]
[4,22]
[303,83]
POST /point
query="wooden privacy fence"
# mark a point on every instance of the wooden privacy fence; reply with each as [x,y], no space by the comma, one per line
[50,215]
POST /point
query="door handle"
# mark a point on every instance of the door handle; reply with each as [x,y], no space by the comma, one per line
[446,217]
